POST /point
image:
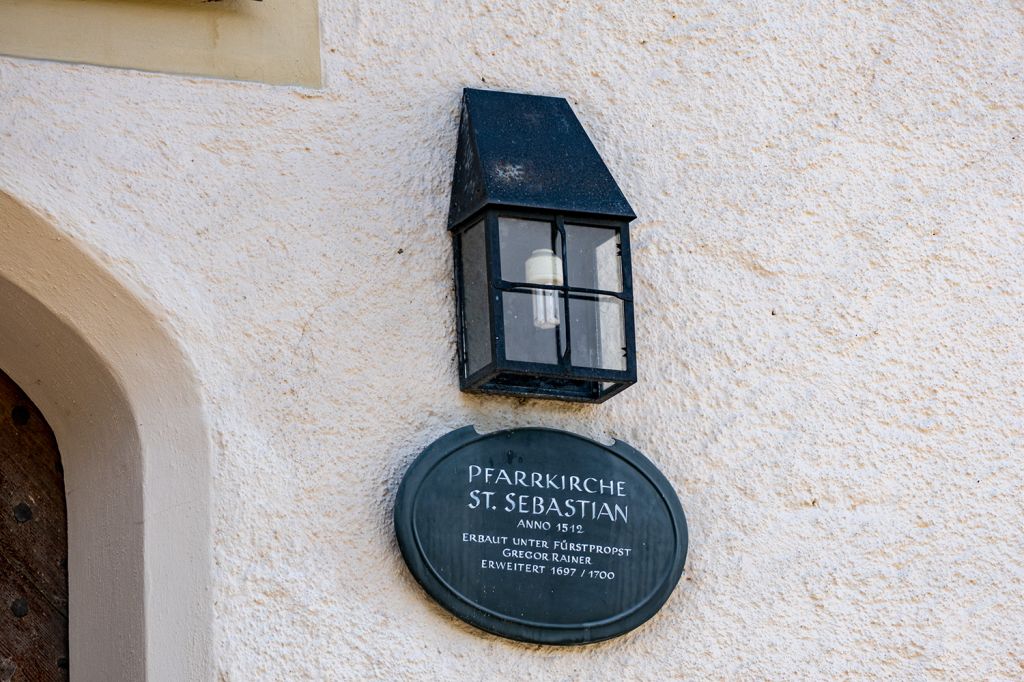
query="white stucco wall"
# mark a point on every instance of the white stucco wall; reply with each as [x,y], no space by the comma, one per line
[829,272]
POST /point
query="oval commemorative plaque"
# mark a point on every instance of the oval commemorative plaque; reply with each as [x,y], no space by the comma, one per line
[541,535]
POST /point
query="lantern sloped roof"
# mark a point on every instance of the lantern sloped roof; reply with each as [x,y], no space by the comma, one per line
[528,151]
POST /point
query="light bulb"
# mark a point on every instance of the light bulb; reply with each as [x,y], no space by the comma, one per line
[544,267]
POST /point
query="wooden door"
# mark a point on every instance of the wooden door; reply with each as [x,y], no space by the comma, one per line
[33,544]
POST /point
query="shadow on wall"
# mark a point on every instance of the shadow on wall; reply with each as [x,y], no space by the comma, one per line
[124,405]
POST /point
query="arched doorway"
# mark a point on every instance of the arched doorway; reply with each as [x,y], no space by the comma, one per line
[102,362]
[33,538]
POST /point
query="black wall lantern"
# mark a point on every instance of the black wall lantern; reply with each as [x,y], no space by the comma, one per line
[541,242]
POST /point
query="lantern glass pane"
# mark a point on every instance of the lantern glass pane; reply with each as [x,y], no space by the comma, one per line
[518,239]
[598,332]
[531,336]
[593,257]
[476,320]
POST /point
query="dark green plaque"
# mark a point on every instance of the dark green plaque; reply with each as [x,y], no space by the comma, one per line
[541,535]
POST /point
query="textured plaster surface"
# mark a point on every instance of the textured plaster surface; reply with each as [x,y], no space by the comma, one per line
[829,272]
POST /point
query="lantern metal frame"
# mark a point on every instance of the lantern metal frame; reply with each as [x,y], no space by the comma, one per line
[563,380]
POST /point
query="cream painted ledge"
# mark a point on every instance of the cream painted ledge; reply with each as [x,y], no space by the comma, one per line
[272,41]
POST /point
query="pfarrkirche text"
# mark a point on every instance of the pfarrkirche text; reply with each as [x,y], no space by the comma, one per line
[533,504]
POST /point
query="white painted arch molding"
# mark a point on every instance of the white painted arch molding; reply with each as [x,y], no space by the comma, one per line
[123,402]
